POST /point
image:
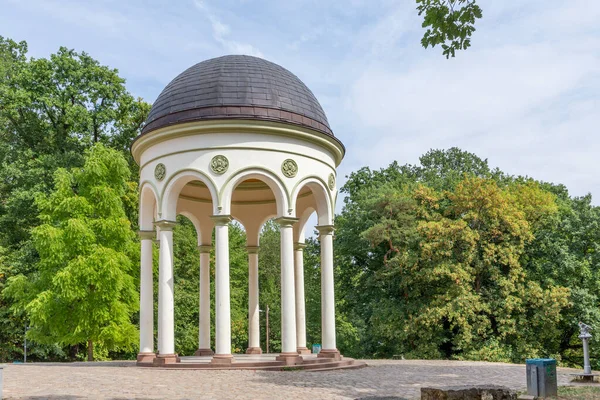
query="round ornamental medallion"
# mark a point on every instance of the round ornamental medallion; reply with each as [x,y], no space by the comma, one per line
[289,168]
[160,171]
[331,182]
[219,164]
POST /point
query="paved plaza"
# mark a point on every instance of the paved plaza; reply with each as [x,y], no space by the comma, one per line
[382,379]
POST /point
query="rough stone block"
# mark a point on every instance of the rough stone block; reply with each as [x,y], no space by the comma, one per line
[487,392]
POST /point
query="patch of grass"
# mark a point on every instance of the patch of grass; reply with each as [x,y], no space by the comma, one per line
[291,368]
[578,393]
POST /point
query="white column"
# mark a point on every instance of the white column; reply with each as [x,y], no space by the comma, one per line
[222,296]
[328,344]
[204,310]
[146,353]
[300,304]
[166,306]
[288,302]
[253,311]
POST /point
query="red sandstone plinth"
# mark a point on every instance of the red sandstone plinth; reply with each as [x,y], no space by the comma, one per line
[289,358]
[303,350]
[333,354]
[225,359]
[145,358]
[162,359]
[204,352]
[253,350]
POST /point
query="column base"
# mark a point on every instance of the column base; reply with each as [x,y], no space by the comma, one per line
[289,358]
[223,359]
[253,350]
[333,354]
[204,352]
[146,358]
[303,350]
[163,359]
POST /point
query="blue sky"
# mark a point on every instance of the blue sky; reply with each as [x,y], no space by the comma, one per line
[526,96]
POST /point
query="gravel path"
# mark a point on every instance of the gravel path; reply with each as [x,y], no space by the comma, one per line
[383,379]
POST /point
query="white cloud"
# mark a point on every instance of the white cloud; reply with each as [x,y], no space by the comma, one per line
[221,33]
[529,103]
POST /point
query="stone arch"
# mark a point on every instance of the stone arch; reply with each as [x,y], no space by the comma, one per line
[173,188]
[196,222]
[322,197]
[300,227]
[149,204]
[279,190]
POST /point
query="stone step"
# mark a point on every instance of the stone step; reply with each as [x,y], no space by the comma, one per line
[354,365]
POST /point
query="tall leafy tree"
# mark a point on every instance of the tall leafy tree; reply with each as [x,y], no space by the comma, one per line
[51,110]
[84,289]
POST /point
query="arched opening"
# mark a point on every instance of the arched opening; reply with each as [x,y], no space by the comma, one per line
[148,206]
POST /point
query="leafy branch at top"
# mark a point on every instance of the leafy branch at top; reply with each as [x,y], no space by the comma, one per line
[450,23]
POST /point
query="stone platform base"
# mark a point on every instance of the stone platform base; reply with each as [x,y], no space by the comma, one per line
[586,377]
[265,362]
[303,350]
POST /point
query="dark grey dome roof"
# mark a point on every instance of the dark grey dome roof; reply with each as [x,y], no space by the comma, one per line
[237,87]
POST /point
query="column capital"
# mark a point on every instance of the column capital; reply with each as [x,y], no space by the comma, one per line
[285,221]
[325,229]
[299,246]
[221,220]
[252,249]
[165,225]
[146,235]
[205,248]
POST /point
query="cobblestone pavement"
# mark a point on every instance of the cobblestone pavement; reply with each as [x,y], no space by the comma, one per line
[388,379]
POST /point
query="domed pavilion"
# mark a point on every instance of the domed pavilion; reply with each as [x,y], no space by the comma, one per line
[236,137]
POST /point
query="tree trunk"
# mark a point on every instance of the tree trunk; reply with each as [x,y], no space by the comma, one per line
[90,350]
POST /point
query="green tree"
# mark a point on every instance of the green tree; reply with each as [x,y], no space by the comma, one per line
[449,23]
[51,110]
[84,288]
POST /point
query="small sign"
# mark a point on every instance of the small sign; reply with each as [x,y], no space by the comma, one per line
[316,348]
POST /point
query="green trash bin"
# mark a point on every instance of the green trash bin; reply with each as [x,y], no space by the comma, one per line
[541,377]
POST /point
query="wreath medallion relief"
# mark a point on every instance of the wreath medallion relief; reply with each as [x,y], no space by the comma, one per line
[160,171]
[331,182]
[219,164]
[289,168]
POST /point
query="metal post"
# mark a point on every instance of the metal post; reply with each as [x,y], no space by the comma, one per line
[585,337]
[25,346]
[267,329]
